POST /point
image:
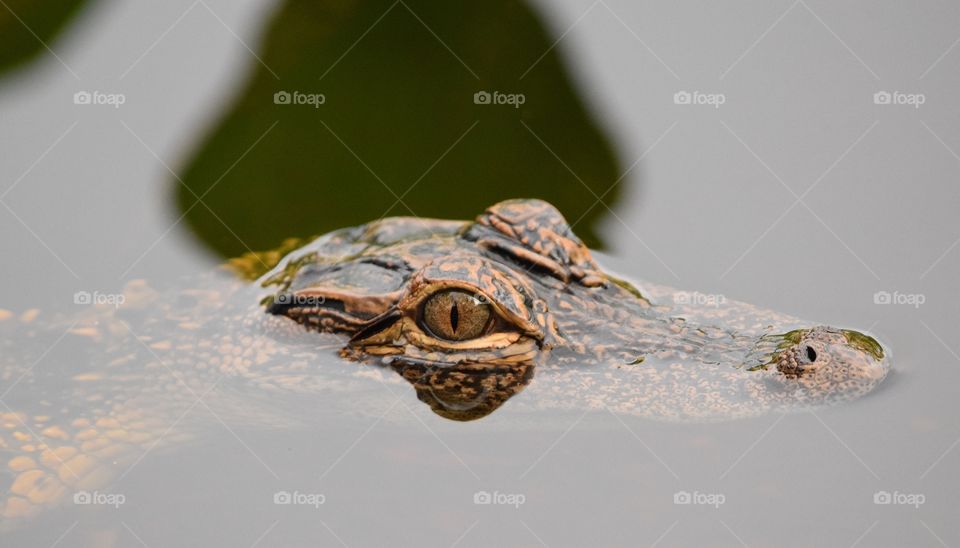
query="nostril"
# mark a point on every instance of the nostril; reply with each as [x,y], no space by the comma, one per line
[811,354]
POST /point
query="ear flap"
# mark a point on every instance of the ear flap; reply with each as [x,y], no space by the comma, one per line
[534,232]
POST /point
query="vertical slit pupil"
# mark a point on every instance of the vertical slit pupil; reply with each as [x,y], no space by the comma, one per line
[454,317]
[811,354]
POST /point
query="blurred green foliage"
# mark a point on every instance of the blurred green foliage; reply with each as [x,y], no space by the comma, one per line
[394,136]
[25,25]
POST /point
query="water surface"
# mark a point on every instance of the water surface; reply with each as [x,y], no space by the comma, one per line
[708,207]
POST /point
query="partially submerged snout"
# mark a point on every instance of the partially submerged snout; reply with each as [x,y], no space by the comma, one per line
[821,364]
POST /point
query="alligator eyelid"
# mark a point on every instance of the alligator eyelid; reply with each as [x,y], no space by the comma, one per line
[377,325]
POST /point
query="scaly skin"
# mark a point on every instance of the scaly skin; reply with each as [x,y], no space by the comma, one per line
[581,330]
[119,382]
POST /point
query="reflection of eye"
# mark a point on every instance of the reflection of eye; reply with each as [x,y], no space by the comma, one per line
[456,315]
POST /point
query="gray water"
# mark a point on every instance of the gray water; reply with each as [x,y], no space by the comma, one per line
[709,206]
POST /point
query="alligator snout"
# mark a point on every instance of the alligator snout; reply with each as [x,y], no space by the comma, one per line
[825,363]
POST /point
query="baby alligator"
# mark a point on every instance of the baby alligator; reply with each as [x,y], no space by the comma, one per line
[466,311]
[469,313]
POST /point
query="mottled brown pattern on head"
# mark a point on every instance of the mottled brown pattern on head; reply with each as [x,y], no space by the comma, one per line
[482,275]
[554,306]
[535,232]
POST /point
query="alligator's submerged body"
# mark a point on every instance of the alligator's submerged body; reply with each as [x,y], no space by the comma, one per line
[469,313]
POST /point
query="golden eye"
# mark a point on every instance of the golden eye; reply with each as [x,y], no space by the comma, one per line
[456,315]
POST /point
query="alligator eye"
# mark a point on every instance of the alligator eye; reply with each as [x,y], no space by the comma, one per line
[811,354]
[456,315]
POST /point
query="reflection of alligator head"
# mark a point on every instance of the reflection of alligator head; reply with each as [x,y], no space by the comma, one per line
[466,310]
[467,391]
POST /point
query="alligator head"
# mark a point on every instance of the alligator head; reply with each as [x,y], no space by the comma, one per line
[466,311]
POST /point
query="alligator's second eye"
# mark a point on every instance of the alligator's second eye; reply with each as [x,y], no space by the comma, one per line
[456,315]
